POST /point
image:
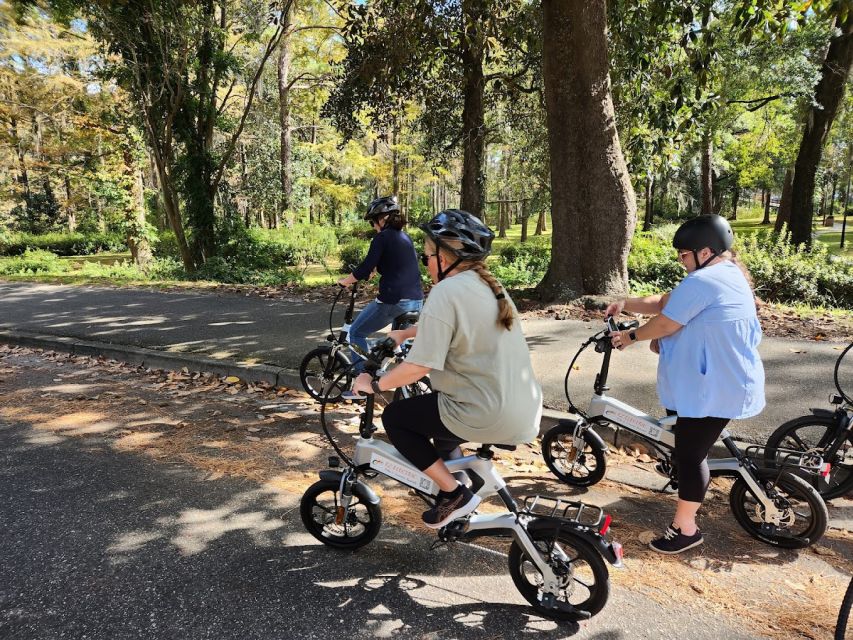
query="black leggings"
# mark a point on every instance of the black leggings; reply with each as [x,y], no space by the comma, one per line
[694,438]
[411,423]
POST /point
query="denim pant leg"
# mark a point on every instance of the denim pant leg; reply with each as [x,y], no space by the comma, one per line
[371,319]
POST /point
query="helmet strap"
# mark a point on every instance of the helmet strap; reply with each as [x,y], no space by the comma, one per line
[442,273]
[713,256]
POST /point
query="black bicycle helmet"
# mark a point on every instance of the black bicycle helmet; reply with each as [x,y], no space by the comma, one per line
[454,224]
[382,207]
[709,230]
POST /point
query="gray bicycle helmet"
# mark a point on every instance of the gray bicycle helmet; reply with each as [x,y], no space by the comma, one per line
[382,207]
[454,224]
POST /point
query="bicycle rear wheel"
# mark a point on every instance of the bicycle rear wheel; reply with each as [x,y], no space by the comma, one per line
[584,582]
[804,513]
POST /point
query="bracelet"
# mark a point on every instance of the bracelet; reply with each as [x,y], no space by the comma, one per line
[374,384]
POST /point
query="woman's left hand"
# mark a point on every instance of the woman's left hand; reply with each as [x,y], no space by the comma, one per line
[362,384]
[620,340]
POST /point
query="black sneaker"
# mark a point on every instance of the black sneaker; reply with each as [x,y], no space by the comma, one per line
[673,541]
[450,506]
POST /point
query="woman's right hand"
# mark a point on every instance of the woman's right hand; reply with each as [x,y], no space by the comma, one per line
[614,308]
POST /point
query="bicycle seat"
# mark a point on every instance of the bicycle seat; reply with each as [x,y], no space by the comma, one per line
[406,319]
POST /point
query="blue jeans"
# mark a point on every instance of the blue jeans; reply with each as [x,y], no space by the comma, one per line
[371,319]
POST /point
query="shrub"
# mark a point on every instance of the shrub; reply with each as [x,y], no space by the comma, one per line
[652,267]
[165,245]
[33,261]
[522,265]
[797,275]
[221,269]
[299,244]
[352,254]
[63,244]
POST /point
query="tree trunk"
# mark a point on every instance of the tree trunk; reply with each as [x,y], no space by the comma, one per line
[285,59]
[395,163]
[766,201]
[832,197]
[593,209]
[827,97]
[137,242]
[650,198]
[69,207]
[540,223]
[524,218]
[707,174]
[473,196]
[783,216]
[735,200]
[311,175]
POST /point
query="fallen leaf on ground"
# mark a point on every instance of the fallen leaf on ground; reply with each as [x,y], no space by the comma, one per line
[232,380]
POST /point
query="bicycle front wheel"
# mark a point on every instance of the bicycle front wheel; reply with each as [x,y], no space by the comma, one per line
[805,434]
[804,514]
[576,466]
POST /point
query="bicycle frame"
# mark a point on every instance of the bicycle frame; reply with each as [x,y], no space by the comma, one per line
[660,433]
[379,456]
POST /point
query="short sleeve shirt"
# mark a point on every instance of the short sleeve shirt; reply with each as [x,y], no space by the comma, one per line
[482,371]
[711,367]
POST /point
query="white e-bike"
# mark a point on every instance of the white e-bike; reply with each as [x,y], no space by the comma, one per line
[555,558]
[771,503]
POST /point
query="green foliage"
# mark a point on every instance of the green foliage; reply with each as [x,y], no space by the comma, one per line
[652,267]
[522,265]
[63,244]
[233,270]
[165,245]
[784,273]
[299,244]
[31,262]
[352,254]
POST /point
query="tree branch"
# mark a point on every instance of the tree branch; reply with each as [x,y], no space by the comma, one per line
[232,144]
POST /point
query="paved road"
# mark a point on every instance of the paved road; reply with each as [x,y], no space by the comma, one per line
[108,546]
[224,325]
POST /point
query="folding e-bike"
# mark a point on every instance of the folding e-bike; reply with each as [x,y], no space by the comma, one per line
[555,558]
[326,371]
[773,505]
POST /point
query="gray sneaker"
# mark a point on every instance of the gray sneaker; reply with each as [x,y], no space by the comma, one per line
[673,541]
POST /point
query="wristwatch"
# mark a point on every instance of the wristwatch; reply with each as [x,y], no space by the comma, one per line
[374,384]
[632,335]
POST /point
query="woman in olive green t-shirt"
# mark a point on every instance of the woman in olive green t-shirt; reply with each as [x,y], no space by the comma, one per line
[469,342]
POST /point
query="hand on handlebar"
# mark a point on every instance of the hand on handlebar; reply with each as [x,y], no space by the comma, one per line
[614,308]
[399,336]
[362,384]
[620,339]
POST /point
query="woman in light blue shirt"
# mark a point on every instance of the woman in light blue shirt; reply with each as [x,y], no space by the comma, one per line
[707,332]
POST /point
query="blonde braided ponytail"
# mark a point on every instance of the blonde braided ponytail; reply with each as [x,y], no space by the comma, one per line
[505,313]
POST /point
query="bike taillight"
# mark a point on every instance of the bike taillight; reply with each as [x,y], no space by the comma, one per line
[605,525]
[824,472]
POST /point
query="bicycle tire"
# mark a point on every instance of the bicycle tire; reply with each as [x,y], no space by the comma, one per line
[795,435]
[312,374]
[318,512]
[742,501]
[524,573]
[589,466]
[844,613]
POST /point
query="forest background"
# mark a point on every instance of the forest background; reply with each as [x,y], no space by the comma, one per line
[240,141]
